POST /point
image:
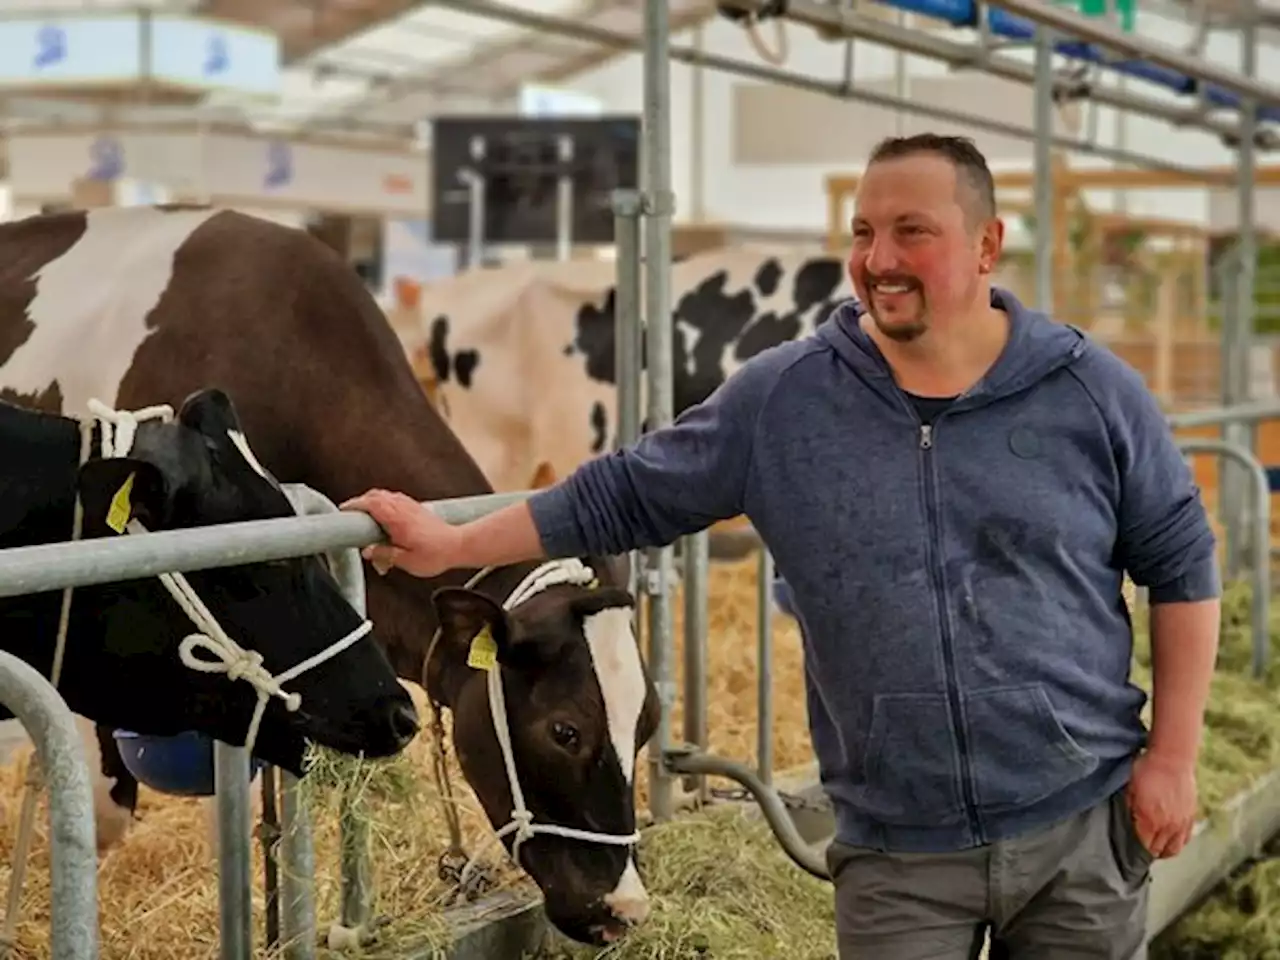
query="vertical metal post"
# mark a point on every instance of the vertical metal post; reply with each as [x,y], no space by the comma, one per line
[564,198]
[1237,341]
[73,855]
[1044,169]
[356,906]
[628,336]
[235,849]
[697,563]
[764,667]
[269,838]
[658,348]
[628,332]
[297,874]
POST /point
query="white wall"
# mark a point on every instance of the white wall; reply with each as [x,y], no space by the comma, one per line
[794,196]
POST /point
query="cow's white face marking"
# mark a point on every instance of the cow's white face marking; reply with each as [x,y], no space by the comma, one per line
[242,444]
[91,304]
[629,900]
[620,674]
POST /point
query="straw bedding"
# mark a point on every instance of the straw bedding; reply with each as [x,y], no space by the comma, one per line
[158,890]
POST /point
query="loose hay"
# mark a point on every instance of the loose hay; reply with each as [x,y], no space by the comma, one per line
[1241,919]
[158,891]
[722,888]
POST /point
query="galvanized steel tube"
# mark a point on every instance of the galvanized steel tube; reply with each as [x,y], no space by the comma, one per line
[764,667]
[628,325]
[1241,321]
[235,851]
[628,341]
[1260,610]
[73,853]
[656,157]
[297,873]
[355,855]
[55,565]
[697,563]
[1043,239]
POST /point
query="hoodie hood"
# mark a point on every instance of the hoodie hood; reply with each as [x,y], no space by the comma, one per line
[1037,347]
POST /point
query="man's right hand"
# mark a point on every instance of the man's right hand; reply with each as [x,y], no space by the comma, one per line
[421,543]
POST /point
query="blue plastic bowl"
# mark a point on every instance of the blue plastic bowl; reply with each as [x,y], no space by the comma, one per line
[181,765]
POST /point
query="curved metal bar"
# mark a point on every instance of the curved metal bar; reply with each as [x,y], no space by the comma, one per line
[691,762]
[1261,607]
[73,851]
[355,868]
[345,562]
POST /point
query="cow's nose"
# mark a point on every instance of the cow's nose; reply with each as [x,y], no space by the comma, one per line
[630,912]
[404,722]
[629,902]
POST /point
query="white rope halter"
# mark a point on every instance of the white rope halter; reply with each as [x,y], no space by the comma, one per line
[119,429]
[522,825]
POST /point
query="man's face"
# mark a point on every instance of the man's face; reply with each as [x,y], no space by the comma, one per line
[919,246]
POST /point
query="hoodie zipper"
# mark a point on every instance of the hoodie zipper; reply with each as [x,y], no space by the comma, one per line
[927,432]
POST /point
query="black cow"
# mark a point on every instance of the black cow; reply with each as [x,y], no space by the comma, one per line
[122,666]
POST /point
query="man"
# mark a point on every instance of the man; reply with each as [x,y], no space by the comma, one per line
[952,486]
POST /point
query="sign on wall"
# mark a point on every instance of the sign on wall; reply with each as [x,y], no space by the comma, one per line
[210,55]
[82,50]
[109,50]
[229,168]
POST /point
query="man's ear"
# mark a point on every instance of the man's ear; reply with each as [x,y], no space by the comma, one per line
[115,490]
[475,634]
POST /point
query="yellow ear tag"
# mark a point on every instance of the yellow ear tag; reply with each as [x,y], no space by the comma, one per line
[594,584]
[484,651]
[118,513]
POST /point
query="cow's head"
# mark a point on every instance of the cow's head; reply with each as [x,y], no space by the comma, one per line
[197,471]
[579,705]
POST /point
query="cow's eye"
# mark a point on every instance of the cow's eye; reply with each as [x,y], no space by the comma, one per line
[564,734]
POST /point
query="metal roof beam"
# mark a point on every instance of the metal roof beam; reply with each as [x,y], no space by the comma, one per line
[853,26]
[839,90]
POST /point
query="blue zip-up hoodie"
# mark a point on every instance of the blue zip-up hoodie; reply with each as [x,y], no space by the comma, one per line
[958,586]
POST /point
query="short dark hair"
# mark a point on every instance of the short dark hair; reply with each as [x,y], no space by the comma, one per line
[964,155]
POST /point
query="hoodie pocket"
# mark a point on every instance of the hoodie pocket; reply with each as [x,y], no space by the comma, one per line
[911,771]
[1021,753]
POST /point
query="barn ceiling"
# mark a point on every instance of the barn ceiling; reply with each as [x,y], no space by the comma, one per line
[377,66]
[396,62]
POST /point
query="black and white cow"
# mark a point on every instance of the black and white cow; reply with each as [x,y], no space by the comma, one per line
[522,355]
[122,665]
[141,305]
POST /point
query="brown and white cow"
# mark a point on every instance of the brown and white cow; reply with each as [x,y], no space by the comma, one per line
[142,305]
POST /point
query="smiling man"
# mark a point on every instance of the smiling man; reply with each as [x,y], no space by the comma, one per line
[953,487]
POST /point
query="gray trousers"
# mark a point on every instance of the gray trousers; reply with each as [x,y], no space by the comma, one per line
[1073,891]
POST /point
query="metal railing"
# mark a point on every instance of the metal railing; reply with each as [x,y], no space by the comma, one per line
[1260,541]
[54,566]
[73,851]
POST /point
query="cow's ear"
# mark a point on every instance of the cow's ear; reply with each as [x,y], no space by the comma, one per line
[115,490]
[475,634]
[211,412]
